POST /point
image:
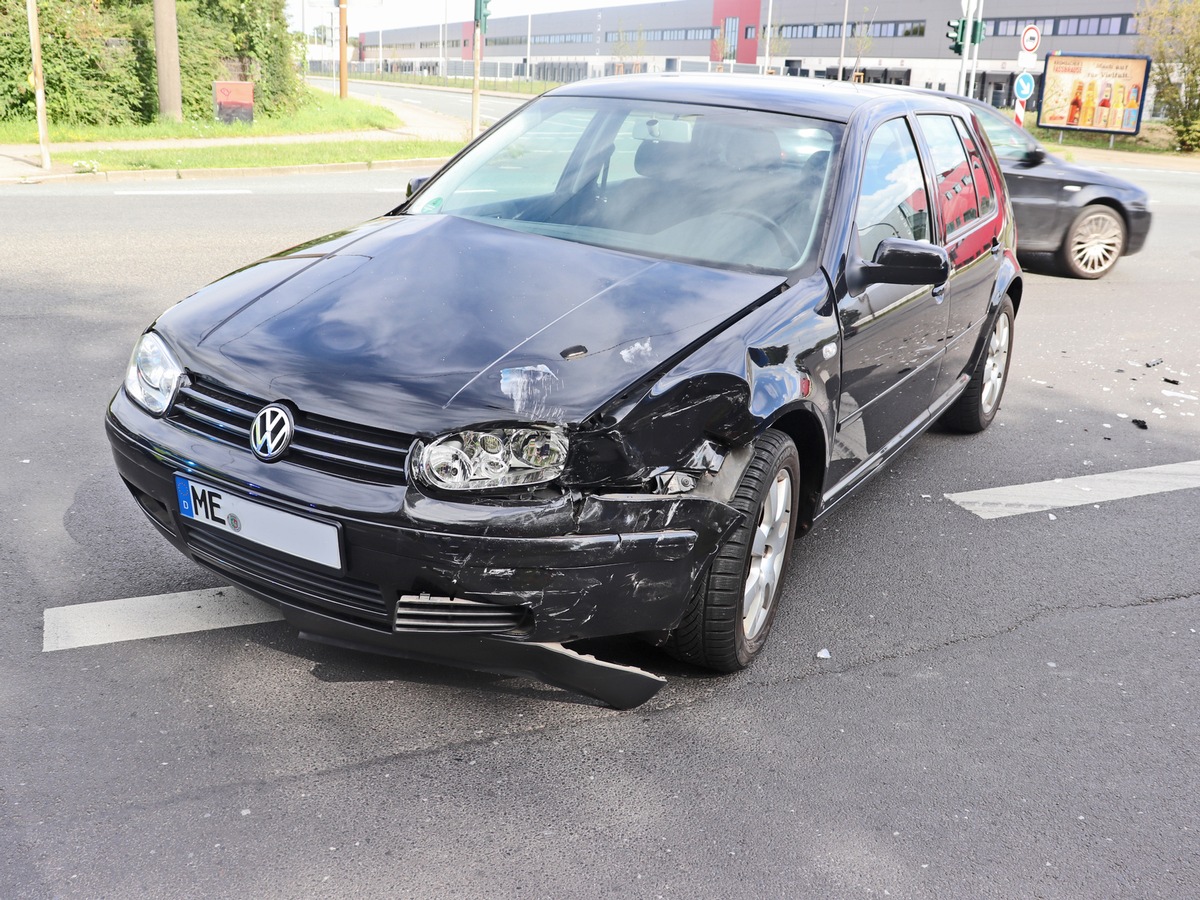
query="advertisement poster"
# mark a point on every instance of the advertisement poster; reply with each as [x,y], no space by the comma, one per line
[1094,93]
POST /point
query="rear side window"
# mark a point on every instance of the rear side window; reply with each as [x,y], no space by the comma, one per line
[984,189]
[954,178]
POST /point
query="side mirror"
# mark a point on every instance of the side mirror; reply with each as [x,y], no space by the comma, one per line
[1034,156]
[415,184]
[901,261]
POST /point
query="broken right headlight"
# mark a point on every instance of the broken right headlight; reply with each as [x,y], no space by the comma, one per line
[492,458]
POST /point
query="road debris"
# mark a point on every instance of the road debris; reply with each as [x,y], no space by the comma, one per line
[824,653]
[1154,362]
[1140,423]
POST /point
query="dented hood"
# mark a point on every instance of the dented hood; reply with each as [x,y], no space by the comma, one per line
[427,323]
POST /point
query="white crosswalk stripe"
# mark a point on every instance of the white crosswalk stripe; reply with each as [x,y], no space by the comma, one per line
[995,503]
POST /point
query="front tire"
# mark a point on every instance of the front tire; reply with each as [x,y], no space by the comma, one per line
[1094,242]
[729,617]
[975,409]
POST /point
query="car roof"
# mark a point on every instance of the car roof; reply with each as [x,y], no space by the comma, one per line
[816,97]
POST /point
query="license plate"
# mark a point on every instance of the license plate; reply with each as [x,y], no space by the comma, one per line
[299,536]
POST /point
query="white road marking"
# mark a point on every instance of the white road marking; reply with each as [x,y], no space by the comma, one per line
[181,193]
[137,618]
[995,503]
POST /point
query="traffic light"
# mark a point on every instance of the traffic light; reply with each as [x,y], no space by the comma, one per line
[956,30]
[977,32]
[481,14]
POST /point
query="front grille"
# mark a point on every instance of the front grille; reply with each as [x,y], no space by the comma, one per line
[422,612]
[328,445]
[245,562]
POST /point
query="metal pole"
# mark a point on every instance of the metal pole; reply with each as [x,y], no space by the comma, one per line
[529,50]
[770,9]
[975,58]
[478,58]
[444,62]
[842,51]
[966,52]
[39,80]
[380,51]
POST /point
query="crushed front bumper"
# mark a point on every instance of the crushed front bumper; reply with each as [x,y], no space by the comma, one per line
[553,570]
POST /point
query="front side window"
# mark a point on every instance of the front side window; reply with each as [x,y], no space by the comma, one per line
[891,197]
[1008,139]
[718,186]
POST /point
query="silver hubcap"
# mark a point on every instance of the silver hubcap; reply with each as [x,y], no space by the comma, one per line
[995,365]
[767,555]
[1096,243]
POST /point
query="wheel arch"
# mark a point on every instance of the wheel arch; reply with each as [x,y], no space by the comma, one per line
[807,431]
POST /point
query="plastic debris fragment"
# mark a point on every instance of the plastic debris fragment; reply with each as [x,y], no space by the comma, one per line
[1154,362]
[1171,380]
[824,653]
[1140,423]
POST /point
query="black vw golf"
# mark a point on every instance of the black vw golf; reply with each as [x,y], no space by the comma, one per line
[593,378]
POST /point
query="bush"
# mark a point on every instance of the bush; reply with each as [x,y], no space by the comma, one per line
[99,58]
[87,57]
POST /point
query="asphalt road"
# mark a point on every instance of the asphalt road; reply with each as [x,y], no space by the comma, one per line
[456,104]
[1009,708]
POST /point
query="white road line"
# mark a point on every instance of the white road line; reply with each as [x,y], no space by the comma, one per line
[995,503]
[181,193]
[136,618]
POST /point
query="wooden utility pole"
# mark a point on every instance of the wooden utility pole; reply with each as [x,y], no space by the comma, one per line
[166,61]
[39,81]
[343,73]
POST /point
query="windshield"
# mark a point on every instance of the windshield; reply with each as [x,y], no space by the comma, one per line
[724,187]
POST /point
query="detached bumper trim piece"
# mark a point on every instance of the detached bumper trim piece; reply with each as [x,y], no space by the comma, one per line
[621,687]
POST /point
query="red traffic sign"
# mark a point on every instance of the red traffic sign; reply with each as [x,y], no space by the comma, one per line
[1031,38]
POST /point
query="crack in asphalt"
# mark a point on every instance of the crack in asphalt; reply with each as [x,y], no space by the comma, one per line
[1041,613]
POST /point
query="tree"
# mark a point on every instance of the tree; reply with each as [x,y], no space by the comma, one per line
[860,38]
[1170,35]
[778,45]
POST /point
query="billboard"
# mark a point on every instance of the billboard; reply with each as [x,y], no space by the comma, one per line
[1094,93]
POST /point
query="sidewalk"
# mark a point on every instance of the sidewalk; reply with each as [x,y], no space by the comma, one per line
[22,162]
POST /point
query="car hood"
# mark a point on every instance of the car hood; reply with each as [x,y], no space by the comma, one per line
[427,323]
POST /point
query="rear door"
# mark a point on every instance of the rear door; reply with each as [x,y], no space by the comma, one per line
[969,221]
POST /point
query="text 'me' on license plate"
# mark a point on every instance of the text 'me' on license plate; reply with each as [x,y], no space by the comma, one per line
[283,531]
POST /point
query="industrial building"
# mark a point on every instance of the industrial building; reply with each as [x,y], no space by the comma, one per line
[886,41]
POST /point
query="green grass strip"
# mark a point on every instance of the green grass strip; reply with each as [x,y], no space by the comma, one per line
[321,113]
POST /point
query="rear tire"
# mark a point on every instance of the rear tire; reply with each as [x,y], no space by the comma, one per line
[975,409]
[729,617]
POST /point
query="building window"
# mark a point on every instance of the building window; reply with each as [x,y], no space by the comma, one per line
[750,32]
[731,37]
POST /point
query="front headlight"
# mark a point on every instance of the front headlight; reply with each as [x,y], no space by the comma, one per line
[495,458]
[153,374]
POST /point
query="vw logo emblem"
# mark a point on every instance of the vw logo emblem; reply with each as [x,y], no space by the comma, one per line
[272,431]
